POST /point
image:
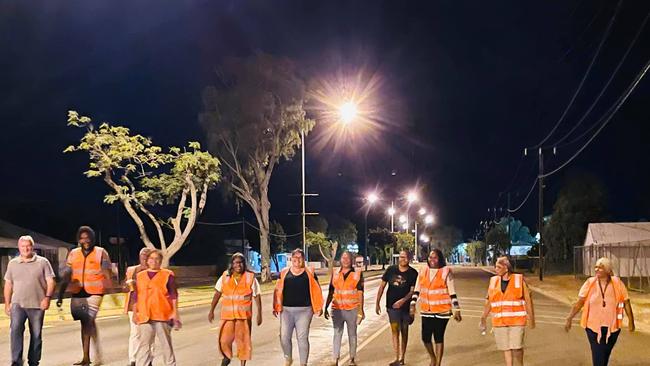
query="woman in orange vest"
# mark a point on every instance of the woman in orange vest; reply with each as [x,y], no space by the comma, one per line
[296,298]
[346,296]
[155,310]
[129,285]
[603,299]
[237,287]
[87,277]
[511,307]
[436,293]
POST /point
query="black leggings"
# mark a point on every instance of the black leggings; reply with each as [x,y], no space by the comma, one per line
[600,352]
[433,326]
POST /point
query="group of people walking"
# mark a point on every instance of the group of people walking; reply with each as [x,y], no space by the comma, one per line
[152,305]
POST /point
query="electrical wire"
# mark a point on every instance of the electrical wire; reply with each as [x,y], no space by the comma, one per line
[584,77]
[527,196]
[247,223]
[609,81]
[612,111]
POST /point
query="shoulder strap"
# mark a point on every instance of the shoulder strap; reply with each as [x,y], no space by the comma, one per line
[519,279]
[494,282]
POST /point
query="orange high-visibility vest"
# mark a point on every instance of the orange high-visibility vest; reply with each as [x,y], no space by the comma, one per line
[434,295]
[507,308]
[237,296]
[346,295]
[153,302]
[618,285]
[315,293]
[87,271]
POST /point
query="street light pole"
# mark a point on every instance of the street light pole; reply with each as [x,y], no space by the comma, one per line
[416,240]
[302,196]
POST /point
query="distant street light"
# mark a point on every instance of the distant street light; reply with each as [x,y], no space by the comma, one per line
[425,238]
[402,220]
[429,219]
[411,197]
[422,211]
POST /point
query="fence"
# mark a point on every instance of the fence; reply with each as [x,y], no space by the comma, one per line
[629,261]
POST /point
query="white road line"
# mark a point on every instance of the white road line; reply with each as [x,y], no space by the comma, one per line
[366,342]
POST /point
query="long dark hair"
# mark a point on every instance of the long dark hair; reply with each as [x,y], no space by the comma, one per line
[441,258]
[232,259]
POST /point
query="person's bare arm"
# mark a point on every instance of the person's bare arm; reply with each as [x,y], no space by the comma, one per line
[530,309]
[45,302]
[258,303]
[574,310]
[330,296]
[398,304]
[8,290]
[630,315]
[380,293]
[213,305]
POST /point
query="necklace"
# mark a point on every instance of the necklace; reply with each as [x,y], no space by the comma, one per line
[602,292]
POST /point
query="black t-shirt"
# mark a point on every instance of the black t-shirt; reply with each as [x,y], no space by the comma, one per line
[296,290]
[399,284]
[504,284]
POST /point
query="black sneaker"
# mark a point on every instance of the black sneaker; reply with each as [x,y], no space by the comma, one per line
[225,361]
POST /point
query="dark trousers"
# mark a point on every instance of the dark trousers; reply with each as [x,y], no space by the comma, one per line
[600,352]
[18,317]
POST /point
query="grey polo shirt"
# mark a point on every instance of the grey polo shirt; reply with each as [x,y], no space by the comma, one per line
[28,279]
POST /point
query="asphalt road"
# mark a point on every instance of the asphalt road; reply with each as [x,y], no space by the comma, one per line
[195,344]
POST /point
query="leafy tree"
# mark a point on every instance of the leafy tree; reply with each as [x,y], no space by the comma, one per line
[253,117]
[339,232]
[278,240]
[383,242]
[446,237]
[581,201]
[476,251]
[140,176]
[498,239]
[404,241]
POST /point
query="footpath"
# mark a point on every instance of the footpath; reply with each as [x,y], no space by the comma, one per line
[113,303]
[564,288]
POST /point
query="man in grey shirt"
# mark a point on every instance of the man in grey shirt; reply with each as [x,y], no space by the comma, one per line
[29,284]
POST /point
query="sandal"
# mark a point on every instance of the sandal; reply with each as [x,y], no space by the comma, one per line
[82,363]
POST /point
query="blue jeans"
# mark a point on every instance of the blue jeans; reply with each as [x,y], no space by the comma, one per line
[18,317]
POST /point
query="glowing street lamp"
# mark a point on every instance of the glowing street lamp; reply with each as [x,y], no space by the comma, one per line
[372,198]
[422,211]
[402,219]
[348,112]
[428,219]
[411,197]
[425,238]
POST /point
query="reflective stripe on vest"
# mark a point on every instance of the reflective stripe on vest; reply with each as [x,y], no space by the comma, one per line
[507,308]
[434,294]
[315,292]
[346,295]
[87,271]
[237,296]
[153,302]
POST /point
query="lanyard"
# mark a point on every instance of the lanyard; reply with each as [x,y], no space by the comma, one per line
[602,292]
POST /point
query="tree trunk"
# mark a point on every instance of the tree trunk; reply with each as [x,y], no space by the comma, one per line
[165,259]
[265,247]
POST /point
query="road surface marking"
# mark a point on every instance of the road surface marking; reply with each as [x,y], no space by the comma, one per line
[366,342]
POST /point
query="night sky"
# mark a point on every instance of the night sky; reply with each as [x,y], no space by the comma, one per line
[465,86]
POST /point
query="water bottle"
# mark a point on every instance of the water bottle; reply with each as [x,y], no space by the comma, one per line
[483,329]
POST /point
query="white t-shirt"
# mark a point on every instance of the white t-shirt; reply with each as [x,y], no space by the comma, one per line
[256,286]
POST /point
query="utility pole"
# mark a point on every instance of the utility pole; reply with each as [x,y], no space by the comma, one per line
[540,212]
[302,195]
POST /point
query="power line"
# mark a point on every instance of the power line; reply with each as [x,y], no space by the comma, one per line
[272,234]
[584,77]
[612,111]
[532,188]
[247,223]
[602,92]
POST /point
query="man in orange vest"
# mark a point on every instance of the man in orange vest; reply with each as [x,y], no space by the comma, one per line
[511,306]
[237,287]
[436,293]
[131,272]
[346,291]
[296,298]
[155,310]
[88,278]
